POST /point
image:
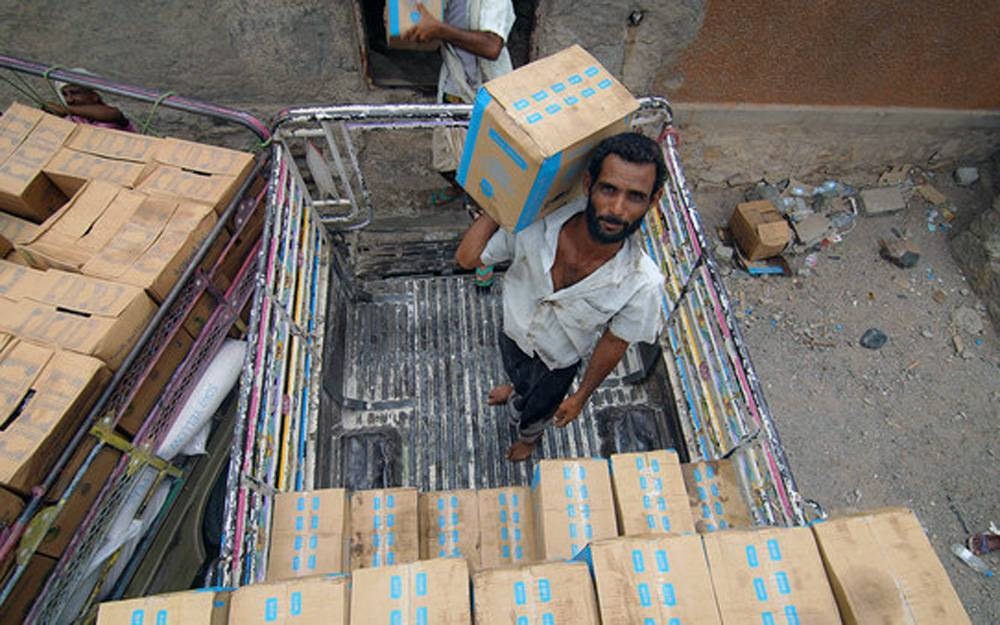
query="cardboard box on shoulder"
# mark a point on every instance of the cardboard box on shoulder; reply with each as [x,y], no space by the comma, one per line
[93,153]
[649,493]
[449,525]
[80,314]
[309,534]
[769,575]
[44,395]
[714,496]
[652,580]
[574,505]
[384,527]
[22,596]
[550,592]
[198,172]
[402,15]
[207,606]
[507,526]
[884,571]
[28,139]
[155,381]
[759,229]
[429,591]
[532,131]
[317,600]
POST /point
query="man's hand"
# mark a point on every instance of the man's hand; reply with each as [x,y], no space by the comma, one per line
[569,410]
[427,29]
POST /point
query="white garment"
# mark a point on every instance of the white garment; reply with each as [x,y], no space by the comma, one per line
[495,16]
[562,327]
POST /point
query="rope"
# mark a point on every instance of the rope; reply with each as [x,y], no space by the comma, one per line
[25,90]
[48,81]
[144,128]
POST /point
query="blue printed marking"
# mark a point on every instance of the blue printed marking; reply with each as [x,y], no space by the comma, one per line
[520,594]
[697,475]
[441,523]
[486,187]
[415,17]
[483,100]
[502,498]
[719,510]
[766,618]
[661,504]
[505,550]
[752,558]
[311,562]
[523,620]
[662,564]
[552,109]
[161,617]
[792,615]
[300,524]
[295,604]
[314,522]
[781,578]
[760,589]
[517,535]
[376,540]
[442,553]
[504,534]
[723,525]
[421,584]
[313,541]
[701,493]
[315,503]
[588,531]
[544,590]
[585,510]
[271,609]
[548,619]
[454,536]
[296,563]
[655,464]
[706,512]
[709,527]
[774,550]
[390,501]
[651,521]
[575,549]
[567,473]
[376,559]
[440,503]
[538,96]
[396,587]
[571,100]
[591,71]
[390,558]
[674,621]
[514,156]
[377,504]
[647,503]
[377,522]
[709,472]
[396,618]
[390,538]
[300,504]
[669,594]
[521,104]
[588,92]
[422,615]
[570,510]
[604,84]
[518,553]
[584,492]
[637,562]
[569,492]
[441,538]
[572,531]
[514,500]
[516,517]
[665,522]
[644,598]
[649,621]
[574,79]
[454,518]
[715,490]
[638,462]
[503,516]
[643,484]
[558,87]
[539,190]
[533,118]
[138,616]
[394,28]
[298,543]
[454,501]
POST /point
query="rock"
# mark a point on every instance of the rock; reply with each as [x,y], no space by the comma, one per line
[927,334]
[873,338]
[966,176]
[724,253]
[881,200]
[967,320]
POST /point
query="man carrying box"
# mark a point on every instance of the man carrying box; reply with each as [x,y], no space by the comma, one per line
[578,286]
[473,39]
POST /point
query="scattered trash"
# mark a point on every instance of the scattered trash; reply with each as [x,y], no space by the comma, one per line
[882,200]
[939,296]
[931,276]
[931,194]
[967,320]
[927,334]
[959,345]
[900,252]
[895,175]
[811,260]
[724,253]
[812,229]
[974,561]
[966,176]
[873,338]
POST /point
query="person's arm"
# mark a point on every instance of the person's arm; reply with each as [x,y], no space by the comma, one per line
[471,248]
[482,43]
[96,112]
[607,354]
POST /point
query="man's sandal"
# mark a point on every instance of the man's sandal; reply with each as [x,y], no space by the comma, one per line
[445,196]
[980,543]
[484,276]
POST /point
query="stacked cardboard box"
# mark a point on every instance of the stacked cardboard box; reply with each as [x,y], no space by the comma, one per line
[713,490]
[198,172]
[93,153]
[28,139]
[12,231]
[649,493]
[507,526]
[449,525]
[402,15]
[430,591]
[551,592]
[384,528]
[574,505]
[209,606]
[317,600]
[309,534]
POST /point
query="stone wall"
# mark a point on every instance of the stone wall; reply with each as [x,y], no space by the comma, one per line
[977,250]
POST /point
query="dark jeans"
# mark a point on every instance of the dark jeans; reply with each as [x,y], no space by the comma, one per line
[538,390]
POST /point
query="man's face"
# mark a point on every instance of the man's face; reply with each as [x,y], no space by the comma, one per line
[619,198]
[75,95]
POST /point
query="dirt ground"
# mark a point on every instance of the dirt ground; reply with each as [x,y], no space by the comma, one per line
[913,423]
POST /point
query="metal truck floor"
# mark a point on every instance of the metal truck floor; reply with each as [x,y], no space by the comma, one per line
[420,357]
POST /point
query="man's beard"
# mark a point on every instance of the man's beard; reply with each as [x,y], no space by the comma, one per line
[594,226]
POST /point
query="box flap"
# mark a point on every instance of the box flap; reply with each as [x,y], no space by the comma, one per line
[110,143]
[203,159]
[15,279]
[21,364]
[82,294]
[15,125]
[561,99]
[15,229]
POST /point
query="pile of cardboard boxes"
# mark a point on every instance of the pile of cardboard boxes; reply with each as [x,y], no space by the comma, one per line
[96,228]
[638,539]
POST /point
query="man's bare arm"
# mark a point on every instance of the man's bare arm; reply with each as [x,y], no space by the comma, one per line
[607,354]
[96,112]
[479,42]
[474,242]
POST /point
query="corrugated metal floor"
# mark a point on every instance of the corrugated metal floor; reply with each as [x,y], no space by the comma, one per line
[422,354]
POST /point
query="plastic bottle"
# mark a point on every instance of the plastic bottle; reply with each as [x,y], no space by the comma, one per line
[971,559]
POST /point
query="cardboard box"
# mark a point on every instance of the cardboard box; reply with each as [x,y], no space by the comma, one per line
[402,15]
[22,596]
[384,527]
[649,493]
[78,313]
[318,600]
[507,526]
[759,229]
[714,496]
[309,534]
[78,504]
[24,190]
[430,591]
[44,395]
[204,307]
[652,580]
[15,278]
[553,592]
[15,229]
[70,169]
[449,525]
[532,131]
[207,606]
[156,380]
[884,571]
[573,504]
[202,173]
[772,575]
[11,506]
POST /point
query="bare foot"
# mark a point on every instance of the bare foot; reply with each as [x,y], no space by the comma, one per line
[520,451]
[500,395]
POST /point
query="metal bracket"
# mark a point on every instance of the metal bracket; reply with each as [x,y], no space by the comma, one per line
[113,439]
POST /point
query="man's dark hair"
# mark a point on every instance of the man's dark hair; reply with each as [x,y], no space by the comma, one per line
[632,147]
